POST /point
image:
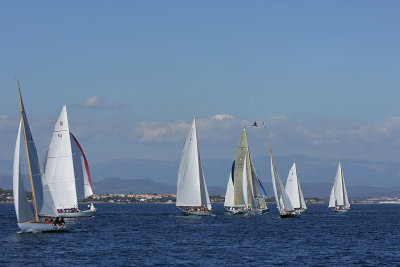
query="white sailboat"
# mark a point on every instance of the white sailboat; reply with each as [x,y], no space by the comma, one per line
[283,202]
[244,192]
[293,190]
[67,171]
[192,195]
[338,200]
[42,200]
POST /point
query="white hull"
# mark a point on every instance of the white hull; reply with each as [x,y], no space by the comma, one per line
[30,227]
[186,212]
[340,210]
[86,213]
[300,210]
[239,211]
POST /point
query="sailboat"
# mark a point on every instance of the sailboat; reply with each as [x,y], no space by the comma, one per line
[28,220]
[244,191]
[338,200]
[67,171]
[293,190]
[192,195]
[283,202]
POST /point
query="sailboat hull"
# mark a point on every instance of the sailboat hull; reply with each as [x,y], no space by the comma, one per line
[85,213]
[30,227]
[290,215]
[300,210]
[240,211]
[340,210]
[186,212]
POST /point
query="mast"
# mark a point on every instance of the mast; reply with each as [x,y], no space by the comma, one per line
[276,173]
[27,154]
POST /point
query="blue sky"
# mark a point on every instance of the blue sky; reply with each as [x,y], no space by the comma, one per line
[325,75]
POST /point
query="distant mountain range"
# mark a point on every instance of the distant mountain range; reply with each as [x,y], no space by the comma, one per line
[363,178]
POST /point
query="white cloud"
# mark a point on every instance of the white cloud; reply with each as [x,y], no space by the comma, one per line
[97,102]
[219,135]
[160,132]
[222,117]
[7,123]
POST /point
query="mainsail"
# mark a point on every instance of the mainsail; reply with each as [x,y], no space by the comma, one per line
[293,189]
[59,168]
[240,162]
[191,185]
[41,197]
[33,161]
[22,209]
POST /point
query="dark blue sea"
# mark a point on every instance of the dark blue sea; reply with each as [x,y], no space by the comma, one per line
[156,234]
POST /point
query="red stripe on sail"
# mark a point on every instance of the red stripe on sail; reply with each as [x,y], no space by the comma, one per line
[84,157]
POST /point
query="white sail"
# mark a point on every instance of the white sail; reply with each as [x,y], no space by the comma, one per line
[59,167]
[188,187]
[207,201]
[302,201]
[287,205]
[277,200]
[282,202]
[245,183]
[22,209]
[48,207]
[338,185]
[339,196]
[229,202]
[332,200]
[293,189]
[81,170]
[345,197]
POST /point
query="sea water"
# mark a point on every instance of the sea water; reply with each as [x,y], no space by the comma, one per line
[157,234]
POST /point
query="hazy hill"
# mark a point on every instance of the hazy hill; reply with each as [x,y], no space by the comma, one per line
[363,178]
